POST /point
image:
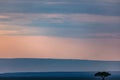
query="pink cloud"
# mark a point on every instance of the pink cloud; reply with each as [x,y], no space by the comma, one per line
[4,17]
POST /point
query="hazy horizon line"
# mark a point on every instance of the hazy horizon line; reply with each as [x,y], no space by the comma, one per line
[63,59]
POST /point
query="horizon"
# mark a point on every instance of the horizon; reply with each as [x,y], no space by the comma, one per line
[65,59]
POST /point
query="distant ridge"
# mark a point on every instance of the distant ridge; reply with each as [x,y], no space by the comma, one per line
[56,65]
[58,59]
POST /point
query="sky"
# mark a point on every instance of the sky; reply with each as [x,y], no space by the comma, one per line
[65,29]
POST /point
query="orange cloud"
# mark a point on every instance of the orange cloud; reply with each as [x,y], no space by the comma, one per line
[53,47]
[5,32]
[4,17]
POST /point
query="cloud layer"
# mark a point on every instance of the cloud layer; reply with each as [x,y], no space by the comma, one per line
[71,25]
[82,29]
[64,18]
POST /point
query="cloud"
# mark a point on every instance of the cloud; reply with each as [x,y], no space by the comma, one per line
[62,25]
[80,29]
[111,1]
[56,3]
[71,32]
[6,32]
[29,18]
[93,18]
[101,7]
[14,30]
[105,35]
[60,18]
[3,17]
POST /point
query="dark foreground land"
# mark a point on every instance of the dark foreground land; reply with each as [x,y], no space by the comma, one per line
[53,78]
[56,76]
[45,78]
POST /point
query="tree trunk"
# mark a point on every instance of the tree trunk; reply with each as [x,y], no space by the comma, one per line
[103,78]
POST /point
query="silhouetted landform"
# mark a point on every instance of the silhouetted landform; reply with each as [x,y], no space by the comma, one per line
[56,65]
[56,76]
[49,74]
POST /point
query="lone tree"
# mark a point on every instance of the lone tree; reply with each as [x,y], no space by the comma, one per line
[103,75]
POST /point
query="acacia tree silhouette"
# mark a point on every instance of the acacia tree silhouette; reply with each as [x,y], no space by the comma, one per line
[103,75]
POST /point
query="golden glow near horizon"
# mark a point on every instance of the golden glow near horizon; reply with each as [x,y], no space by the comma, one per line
[53,47]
